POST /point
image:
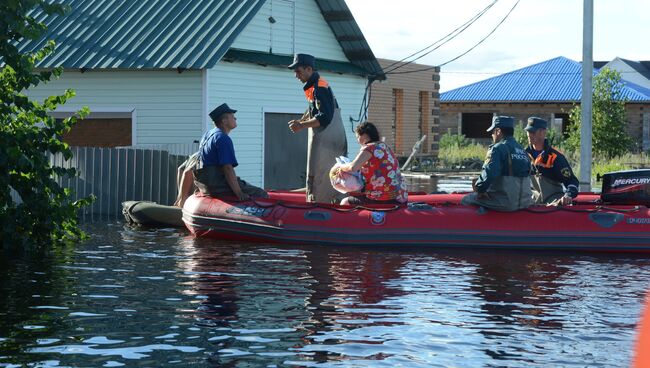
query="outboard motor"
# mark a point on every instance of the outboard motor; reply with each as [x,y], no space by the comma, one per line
[626,187]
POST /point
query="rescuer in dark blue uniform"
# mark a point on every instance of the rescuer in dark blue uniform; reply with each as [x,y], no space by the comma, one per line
[553,180]
[504,183]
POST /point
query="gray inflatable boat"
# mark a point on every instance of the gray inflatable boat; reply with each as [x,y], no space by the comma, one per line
[152,214]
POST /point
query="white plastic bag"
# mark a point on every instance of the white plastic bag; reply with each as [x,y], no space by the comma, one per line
[345,182]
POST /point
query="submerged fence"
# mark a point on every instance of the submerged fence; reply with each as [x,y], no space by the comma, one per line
[115,175]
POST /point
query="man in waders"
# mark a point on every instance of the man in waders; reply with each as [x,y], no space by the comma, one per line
[326,139]
[504,183]
[553,180]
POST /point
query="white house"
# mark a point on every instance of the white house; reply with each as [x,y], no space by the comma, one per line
[151,70]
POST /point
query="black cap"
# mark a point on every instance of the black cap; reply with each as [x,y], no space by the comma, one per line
[220,110]
[535,124]
[302,60]
[501,122]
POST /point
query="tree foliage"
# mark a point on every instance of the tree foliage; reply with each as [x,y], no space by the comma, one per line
[48,213]
[609,137]
[451,141]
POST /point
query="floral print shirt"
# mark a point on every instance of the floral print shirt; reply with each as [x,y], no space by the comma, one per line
[381,173]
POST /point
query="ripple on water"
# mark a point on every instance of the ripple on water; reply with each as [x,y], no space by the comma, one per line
[175,300]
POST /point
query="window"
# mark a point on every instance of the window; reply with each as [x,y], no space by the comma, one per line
[474,125]
[398,118]
[99,129]
[561,122]
[424,118]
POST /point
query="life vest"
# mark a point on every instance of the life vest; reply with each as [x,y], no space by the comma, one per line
[548,163]
[309,92]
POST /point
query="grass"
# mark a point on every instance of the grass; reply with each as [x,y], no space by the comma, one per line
[461,157]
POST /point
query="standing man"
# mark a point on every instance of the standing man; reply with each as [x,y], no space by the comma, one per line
[326,139]
[553,180]
[216,175]
[504,183]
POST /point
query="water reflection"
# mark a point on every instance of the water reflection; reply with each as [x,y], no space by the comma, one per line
[439,183]
[162,298]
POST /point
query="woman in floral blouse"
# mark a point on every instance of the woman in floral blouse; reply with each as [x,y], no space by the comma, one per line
[379,168]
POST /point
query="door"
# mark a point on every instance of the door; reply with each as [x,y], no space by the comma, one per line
[285,153]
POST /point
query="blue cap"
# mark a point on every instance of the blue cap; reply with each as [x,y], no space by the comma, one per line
[501,122]
[220,110]
[303,60]
[535,124]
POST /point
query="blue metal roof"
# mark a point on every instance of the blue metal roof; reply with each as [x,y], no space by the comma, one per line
[555,80]
[106,34]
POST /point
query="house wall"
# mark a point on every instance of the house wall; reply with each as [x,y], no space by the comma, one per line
[168,107]
[406,106]
[254,90]
[628,73]
[165,106]
[299,28]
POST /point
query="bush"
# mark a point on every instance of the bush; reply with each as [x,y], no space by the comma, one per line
[47,213]
[449,140]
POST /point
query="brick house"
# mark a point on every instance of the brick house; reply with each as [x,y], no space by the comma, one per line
[548,89]
[405,107]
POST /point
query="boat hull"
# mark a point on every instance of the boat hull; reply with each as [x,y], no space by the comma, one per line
[434,220]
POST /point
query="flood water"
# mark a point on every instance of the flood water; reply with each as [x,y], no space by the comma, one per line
[160,298]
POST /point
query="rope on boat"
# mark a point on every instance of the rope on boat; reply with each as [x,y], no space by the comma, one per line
[325,206]
[398,206]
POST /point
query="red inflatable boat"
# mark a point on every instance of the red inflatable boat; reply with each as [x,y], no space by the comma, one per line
[437,220]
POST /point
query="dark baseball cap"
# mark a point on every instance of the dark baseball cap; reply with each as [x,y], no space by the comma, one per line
[220,110]
[303,60]
[501,122]
[534,124]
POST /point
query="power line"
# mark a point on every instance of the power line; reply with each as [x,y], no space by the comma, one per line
[450,36]
[467,51]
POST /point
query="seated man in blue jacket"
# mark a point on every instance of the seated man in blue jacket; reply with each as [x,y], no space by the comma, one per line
[216,173]
[504,183]
[553,180]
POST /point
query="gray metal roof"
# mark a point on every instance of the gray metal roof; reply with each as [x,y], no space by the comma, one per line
[106,34]
[170,34]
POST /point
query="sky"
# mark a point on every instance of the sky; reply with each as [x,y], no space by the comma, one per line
[535,31]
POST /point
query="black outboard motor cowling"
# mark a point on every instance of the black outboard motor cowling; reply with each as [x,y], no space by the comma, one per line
[626,187]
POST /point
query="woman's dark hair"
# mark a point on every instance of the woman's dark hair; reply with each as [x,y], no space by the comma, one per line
[368,128]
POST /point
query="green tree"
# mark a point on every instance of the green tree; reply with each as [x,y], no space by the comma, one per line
[48,213]
[609,137]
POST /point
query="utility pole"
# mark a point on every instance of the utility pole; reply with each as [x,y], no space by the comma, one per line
[587,91]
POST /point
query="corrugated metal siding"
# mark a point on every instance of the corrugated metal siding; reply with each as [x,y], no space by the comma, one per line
[168,105]
[111,34]
[555,80]
[225,84]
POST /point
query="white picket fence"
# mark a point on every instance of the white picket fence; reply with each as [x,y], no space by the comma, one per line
[115,175]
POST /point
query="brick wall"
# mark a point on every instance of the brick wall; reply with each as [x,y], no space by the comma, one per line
[403,126]
[450,114]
